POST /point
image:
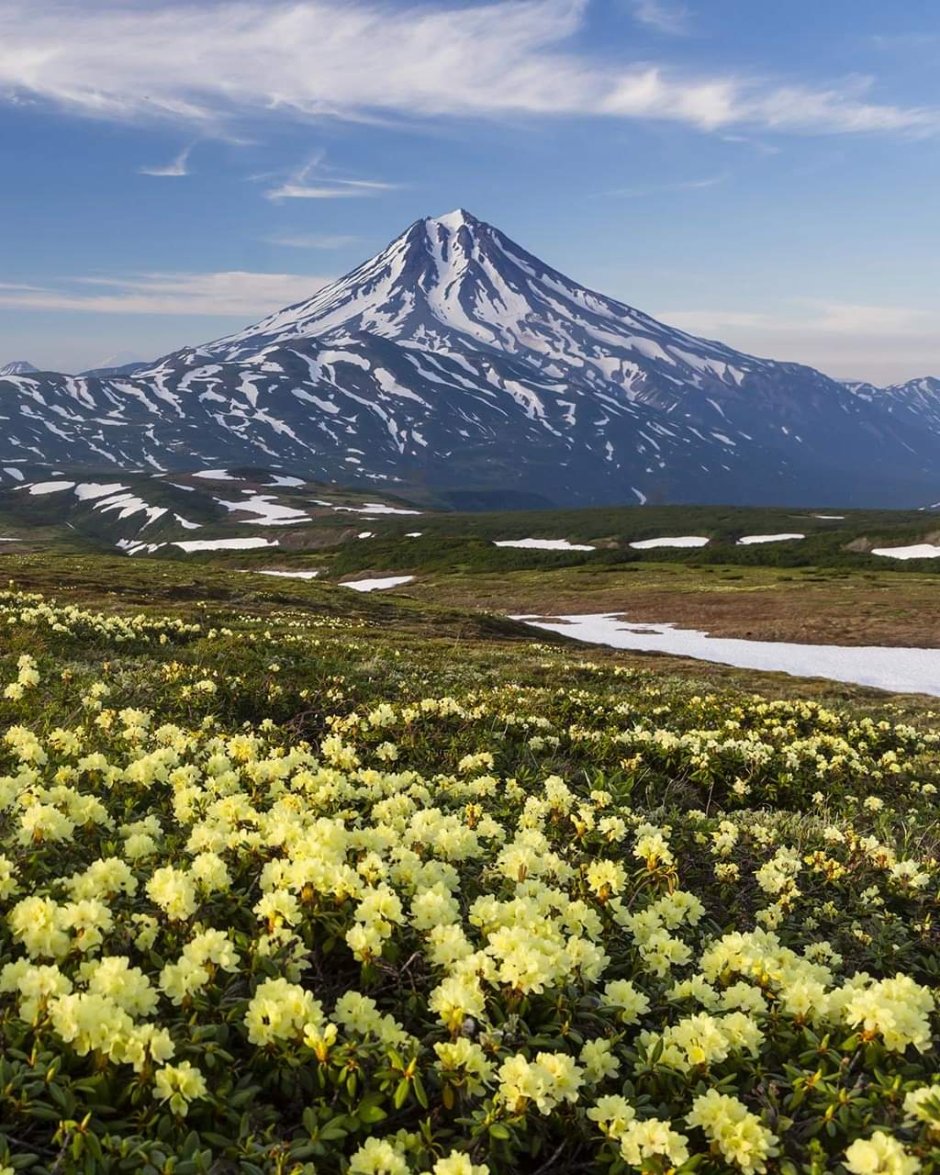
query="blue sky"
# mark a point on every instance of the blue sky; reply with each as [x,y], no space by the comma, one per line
[761,173]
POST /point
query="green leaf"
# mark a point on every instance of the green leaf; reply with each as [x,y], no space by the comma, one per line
[371,1113]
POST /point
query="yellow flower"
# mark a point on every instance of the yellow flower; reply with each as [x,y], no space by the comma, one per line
[280,1011]
[173,891]
[923,1105]
[880,1155]
[598,1060]
[650,1139]
[630,1003]
[739,1135]
[897,1009]
[376,1156]
[179,1085]
[464,1061]
[456,1163]
[613,1114]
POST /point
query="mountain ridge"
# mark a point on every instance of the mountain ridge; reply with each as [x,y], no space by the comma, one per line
[19,367]
[455,359]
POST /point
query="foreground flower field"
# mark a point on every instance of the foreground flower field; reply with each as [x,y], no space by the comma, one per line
[292,894]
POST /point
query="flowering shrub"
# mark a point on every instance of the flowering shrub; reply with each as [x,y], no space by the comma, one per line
[31,610]
[614,925]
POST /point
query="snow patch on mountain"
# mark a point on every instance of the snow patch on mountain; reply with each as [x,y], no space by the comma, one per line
[39,488]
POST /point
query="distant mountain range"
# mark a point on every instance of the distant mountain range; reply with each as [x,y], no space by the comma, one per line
[19,367]
[457,362]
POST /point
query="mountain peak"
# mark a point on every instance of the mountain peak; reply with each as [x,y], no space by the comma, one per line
[19,367]
[455,283]
[454,220]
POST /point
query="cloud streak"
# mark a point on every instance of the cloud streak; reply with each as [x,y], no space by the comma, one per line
[711,181]
[209,65]
[233,293]
[176,167]
[312,240]
[848,340]
[814,316]
[310,183]
[672,19]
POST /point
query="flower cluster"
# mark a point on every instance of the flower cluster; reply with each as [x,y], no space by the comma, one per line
[459,932]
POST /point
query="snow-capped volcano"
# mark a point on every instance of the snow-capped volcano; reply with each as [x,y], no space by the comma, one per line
[453,283]
[18,367]
[457,360]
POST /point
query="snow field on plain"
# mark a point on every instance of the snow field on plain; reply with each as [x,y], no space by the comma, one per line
[916,551]
[379,584]
[898,669]
[687,540]
[543,544]
[755,539]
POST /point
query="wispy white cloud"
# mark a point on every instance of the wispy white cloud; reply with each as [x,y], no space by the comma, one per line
[814,316]
[849,340]
[662,15]
[756,145]
[236,292]
[312,240]
[904,42]
[316,180]
[179,166]
[209,65]
[710,181]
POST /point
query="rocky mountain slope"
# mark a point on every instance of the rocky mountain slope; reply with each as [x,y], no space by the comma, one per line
[456,361]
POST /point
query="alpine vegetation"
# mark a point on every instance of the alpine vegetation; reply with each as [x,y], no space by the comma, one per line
[293,893]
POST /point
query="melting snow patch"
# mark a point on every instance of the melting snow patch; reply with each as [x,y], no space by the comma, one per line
[366,534]
[267,511]
[11,540]
[831,517]
[216,475]
[89,490]
[50,487]
[134,548]
[127,505]
[378,585]
[686,540]
[285,574]
[751,539]
[917,551]
[12,471]
[224,544]
[282,480]
[903,670]
[543,544]
[374,508]
[414,534]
